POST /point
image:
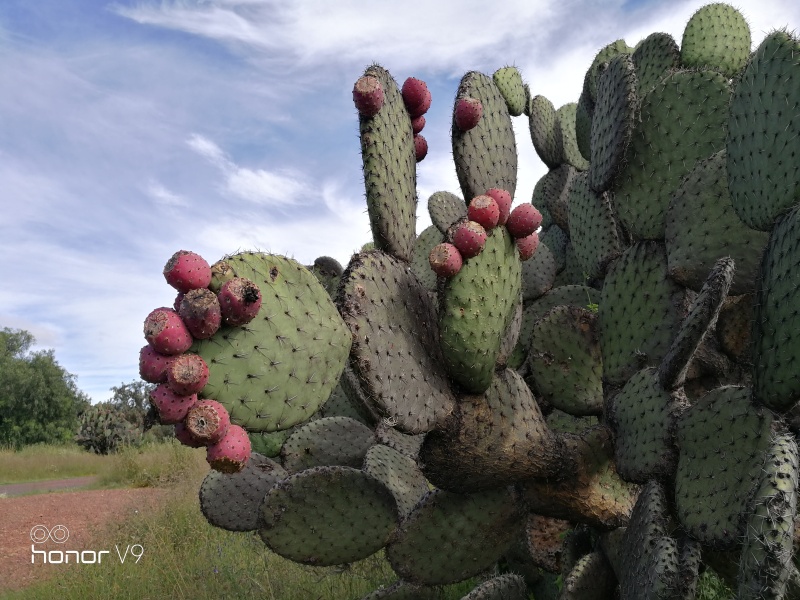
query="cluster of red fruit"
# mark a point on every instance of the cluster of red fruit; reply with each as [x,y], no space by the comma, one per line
[485,212]
[198,313]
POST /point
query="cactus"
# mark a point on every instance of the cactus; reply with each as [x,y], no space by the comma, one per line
[104,430]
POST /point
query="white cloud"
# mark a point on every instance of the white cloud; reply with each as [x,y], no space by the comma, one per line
[163,196]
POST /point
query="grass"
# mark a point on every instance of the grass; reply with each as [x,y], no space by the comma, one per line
[42,462]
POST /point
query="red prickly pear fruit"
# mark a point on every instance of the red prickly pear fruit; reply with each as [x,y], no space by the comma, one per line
[468,113]
[416,96]
[187,271]
[420,147]
[417,124]
[470,238]
[485,211]
[239,301]
[171,407]
[207,421]
[188,374]
[368,96]
[445,260]
[153,366]
[221,272]
[523,221]
[166,332]
[230,454]
[503,199]
[201,313]
[527,246]
[185,437]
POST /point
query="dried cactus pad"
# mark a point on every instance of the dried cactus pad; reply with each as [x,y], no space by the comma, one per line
[327,441]
[503,587]
[474,530]
[327,516]
[277,370]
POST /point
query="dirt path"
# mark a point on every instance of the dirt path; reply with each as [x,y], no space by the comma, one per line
[41,521]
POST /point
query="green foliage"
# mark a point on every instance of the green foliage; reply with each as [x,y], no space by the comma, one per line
[104,429]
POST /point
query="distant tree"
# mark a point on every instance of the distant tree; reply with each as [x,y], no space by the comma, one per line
[39,399]
[132,400]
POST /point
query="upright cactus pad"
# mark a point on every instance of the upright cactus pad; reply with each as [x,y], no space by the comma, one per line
[654,57]
[590,579]
[509,83]
[556,240]
[399,473]
[566,137]
[542,123]
[503,587]
[606,54]
[717,36]
[420,263]
[539,273]
[445,209]
[327,441]
[402,590]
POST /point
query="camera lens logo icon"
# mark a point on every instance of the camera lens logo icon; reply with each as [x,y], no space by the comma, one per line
[40,534]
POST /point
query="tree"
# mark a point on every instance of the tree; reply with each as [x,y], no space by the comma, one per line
[132,400]
[39,399]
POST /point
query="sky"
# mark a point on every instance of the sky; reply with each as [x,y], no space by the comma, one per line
[133,129]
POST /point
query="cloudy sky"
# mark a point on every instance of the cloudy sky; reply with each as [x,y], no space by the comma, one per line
[135,128]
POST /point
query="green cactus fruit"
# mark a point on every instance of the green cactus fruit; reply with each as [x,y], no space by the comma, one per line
[552,193]
[396,352]
[402,590]
[538,273]
[594,233]
[491,440]
[486,155]
[471,336]
[643,416]
[734,328]
[564,361]
[683,119]
[654,57]
[542,124]
[556,240]
[776,322]
[405,444]
[701,226]
[566,137]
[762,133]
[420,263]
[716,36]
[327,516]
[613,121]
[231,501]
[476,529]
[328,270]
[601,58]
[445,209]
[501,587]
[640,308]
[390,170]
[327,441]
[701,318]
[509,83]
[277,370]
[719,467]
[592,578]
[399,473]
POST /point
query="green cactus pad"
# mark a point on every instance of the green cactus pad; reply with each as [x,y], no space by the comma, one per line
[683,119]
[402,590]
[474,530]
[583,119]
[399,474]
[776,321]
[717,36]
[719,466]
[390,170]
[509,82]
[564,361]
[538,273]
[445,209]
[491,440]
[566,137]
[231,501]
[701,226]
[542,124]
[486,155]
[396,353]
[700,319]
[762,133]
[556,240]
[640,309]
[552,193]
[420,263]
[328,271]
[560,422]
[340,405]
[601,58]
[277,370]
[593,229]
[734,327]
[547,218]
[654,57]
[476,307]
[643,416]
[327,516]
[510,337]
[327,441]
[766,561]
[268,443]
[590,579]
[402,442]
[573,273]
[501,587]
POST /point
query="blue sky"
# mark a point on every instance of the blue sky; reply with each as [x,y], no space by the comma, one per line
[132,129]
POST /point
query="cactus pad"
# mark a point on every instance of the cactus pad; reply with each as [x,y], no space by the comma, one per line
[538,273]
[566,137]
[606,54]
[556,240]
[717,36]
[445,209]
[327,441]
[590,579]
[420,263]
[542,123]
[402,590]
[399,473]
[502,587]
[654,57]
[552,193]
[509,83]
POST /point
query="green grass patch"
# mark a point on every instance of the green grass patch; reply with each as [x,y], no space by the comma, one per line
[46,461]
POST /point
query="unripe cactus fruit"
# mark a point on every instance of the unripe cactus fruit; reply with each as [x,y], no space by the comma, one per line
[230,454]
[166,332]
[527,246]
[185,437]
[188,374]
[470,238]
[417,124]
[420,147]
[445,260]
[201,313]
[484,211]
[221,272]
[207,421]
[187,271]
[468,113]
[368,96]
[523,221]
[416,97]
[503,199]
[171,407]
[153,366]
[239,301]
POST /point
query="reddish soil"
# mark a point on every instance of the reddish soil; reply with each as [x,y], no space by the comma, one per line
[84,514]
